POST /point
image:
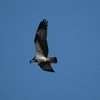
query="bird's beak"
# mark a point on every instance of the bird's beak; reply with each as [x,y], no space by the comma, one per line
[30,62]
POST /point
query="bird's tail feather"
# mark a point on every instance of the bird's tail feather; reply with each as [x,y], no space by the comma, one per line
[52,59]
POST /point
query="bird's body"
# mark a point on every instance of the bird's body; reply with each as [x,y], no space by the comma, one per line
[40,58]
[42,48]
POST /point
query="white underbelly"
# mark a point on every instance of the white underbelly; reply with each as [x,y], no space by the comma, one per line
[40,58]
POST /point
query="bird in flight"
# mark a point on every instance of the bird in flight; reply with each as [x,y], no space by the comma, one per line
[42,48]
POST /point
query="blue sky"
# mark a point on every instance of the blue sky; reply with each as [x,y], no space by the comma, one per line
[73,37]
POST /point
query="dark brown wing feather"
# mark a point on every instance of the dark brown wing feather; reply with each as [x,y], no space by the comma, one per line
[46,66]
[41,36]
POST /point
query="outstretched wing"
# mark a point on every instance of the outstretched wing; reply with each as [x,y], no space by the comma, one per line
[46,66]
[40,38]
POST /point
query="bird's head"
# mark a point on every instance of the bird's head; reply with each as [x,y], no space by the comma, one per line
[33,60]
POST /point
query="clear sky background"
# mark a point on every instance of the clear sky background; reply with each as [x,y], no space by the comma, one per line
[73,37]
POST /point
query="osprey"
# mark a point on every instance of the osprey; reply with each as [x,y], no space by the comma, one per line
[42,48]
